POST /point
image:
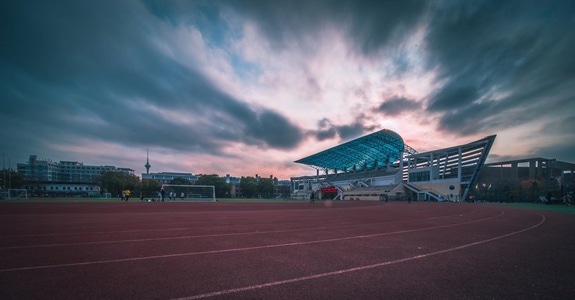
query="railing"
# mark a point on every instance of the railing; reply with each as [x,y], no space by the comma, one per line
[434,194]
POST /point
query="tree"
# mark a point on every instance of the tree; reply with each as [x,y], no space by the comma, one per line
[150,187]
[10,179]
[219,183]
[114,182]
[249,186]
[266,187]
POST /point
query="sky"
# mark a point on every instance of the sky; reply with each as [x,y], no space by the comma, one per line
[248,87]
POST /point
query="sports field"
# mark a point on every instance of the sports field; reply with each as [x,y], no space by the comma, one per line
[284,250]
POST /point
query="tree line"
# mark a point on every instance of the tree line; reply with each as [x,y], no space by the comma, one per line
[251,187]
[10,179]
[115,182]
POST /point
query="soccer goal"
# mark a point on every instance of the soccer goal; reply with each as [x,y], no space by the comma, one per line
[14,194]
[194,193]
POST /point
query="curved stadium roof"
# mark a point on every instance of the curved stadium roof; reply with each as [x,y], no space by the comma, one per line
[378,148]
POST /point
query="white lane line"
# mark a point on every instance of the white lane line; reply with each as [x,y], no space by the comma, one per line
[339,272]
[217,235]
[243,249]
[191,227]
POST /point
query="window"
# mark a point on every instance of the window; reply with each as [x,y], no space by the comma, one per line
[419,176]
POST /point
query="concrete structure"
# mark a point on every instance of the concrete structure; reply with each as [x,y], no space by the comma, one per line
[380,166]
[526,179]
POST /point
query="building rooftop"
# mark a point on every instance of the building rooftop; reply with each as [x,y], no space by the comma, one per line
[375,150]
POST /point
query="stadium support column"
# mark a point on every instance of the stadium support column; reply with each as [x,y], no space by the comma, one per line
[532,170]
[465,191]
[459,153]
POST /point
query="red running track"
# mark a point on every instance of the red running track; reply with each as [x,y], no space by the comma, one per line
[349,250]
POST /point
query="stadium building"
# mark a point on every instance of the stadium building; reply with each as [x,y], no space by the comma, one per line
[526,180]
[380,166]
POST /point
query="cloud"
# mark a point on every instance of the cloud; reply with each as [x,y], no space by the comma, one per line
[557,127]
[328,130]
[227,84]
[369,25]
[558,141]
[496,59]
[395,106]
[561,150]
[143,97]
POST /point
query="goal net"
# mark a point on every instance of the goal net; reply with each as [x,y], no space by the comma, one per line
[14,194]
[195,193]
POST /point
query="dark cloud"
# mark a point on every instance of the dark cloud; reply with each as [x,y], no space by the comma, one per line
[273,129]
[74,71]
[369,25]
[452,97]
[354,130]
[328,130]
[562,151]
[557,127]
[564,148]
[395,106]
[498,59]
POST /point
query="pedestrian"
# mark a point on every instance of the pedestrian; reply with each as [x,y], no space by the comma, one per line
[311,199]
[127,194]
[162,194]
[123,197]
[182,195]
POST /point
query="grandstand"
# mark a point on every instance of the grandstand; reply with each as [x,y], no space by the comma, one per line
[380,166]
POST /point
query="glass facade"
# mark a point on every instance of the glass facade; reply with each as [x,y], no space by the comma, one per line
[419,176]
[368,152]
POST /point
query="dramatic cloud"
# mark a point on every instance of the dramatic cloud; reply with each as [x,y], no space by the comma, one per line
[247,87]
[395,106]
[493,66]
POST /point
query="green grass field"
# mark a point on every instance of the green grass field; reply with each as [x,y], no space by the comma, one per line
[538,206]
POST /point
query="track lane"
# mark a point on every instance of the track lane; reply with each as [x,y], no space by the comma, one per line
[89,253]
[278,269]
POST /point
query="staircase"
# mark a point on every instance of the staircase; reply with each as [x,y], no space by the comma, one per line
[432,194]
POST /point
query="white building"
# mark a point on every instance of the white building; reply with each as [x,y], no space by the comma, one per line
[45,176]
